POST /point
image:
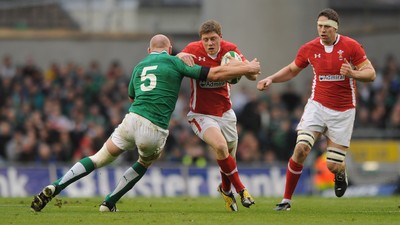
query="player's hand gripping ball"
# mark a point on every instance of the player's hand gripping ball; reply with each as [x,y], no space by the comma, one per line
[225,60]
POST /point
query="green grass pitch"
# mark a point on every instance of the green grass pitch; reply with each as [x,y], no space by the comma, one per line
[204,211]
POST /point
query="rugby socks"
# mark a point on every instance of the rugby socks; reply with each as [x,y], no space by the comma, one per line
[127,181]
[228,167]
[77,171]
[226,183]
[293,174]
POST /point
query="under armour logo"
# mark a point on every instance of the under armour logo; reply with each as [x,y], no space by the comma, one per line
[317,55]
[202,59]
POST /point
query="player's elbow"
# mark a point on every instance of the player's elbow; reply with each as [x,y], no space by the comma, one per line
[373,76]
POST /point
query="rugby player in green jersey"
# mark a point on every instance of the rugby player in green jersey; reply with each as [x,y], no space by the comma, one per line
[153,90]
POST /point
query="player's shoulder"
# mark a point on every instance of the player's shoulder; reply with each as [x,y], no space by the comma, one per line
[193,46]
[347,39]
[315,41]
[308,46]
[162,58]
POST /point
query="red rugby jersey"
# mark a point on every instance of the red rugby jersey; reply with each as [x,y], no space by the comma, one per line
[207,97]
[329,88]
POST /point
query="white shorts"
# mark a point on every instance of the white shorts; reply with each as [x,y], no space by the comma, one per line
[137,131]
[336,125]
[227,124]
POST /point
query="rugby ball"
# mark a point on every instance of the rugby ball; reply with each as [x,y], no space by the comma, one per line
[225,60]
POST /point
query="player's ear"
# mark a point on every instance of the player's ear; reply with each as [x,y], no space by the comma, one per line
[148,50]
[170,50]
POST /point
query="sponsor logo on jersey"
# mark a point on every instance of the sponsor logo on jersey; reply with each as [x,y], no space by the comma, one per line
[331,77]
[211,84]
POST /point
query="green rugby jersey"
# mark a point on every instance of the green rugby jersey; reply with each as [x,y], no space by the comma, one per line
[155,85]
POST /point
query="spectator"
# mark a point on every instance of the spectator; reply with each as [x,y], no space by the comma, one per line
[394,121]
[248,148]
[7,75]
[290,98]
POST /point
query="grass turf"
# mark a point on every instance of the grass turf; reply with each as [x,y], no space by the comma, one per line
[204,211]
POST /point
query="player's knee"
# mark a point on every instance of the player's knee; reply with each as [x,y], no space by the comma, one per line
[301,152]
[232,148]
[335,159]
[102,157]
[305,138]
[334,167]
[220,147]
[148,160]
[305,141]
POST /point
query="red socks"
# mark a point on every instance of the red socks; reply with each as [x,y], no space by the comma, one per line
[226,183]
[228,167]
[293,174]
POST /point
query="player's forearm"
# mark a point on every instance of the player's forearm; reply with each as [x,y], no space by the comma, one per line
[366,74]
[222,73]
[283,75]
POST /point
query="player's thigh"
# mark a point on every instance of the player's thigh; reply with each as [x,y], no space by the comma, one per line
[312,119]
[200,123]
[227,124]
[137,131]
[150,139]
[224,125]
[213,137]
[340,127]
[123,135]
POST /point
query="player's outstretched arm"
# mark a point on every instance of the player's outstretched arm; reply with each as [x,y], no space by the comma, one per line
[233,70]
[284,74]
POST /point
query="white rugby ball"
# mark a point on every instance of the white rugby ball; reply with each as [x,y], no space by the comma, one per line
[225,60]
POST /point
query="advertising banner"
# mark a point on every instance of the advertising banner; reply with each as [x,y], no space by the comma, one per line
[158,181]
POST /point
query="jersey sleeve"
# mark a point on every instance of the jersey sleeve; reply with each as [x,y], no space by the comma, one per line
[195,72]
[359,54]
[301,59]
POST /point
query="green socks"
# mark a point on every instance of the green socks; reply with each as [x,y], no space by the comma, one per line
[127,181]
[86,166]
[77,171]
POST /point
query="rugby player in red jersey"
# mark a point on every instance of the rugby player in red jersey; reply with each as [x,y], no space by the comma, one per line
[338,62]
[211,115]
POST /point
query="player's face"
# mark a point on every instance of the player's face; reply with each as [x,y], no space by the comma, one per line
[325,32]
[211,42]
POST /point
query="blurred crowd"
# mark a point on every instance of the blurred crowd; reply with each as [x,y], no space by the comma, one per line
[65,112]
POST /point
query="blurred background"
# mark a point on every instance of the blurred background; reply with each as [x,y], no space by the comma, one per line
[66,64]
